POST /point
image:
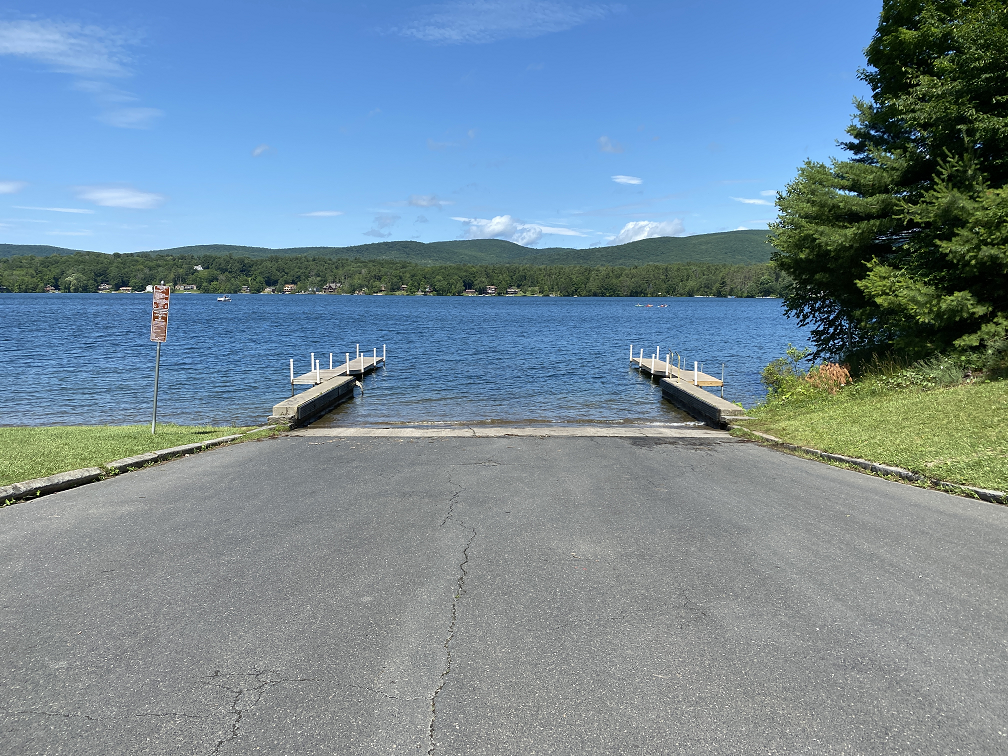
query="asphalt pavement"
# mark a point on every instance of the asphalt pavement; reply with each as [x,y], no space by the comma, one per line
[684,593]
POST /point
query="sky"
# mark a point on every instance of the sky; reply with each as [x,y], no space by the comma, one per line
[557,123]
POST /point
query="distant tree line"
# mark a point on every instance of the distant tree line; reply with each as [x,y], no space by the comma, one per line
[87,271]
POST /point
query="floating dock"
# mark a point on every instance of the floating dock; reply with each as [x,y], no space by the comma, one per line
[684,387]
[329,387]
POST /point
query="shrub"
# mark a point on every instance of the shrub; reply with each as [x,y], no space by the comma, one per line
[829,376]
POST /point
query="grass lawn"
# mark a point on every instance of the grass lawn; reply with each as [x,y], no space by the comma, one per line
[958,434]
[30,452]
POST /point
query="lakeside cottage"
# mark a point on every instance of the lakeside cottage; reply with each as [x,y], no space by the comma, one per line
[290,288]
[491,291]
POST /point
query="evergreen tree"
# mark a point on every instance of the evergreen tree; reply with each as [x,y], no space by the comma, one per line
[904,244]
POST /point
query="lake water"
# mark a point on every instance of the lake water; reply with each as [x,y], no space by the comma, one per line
[87,358]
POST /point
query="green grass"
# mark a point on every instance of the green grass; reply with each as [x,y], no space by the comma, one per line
[27,453]
[957,434]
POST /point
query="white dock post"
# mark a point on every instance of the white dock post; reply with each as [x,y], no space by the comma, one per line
[374,358]
[641,358]
[348,363]
[318,366]
[292,371]
[631,353]
[668,364]
[694,373]
[330,360]
[312,365]
[383,353]
[358,351]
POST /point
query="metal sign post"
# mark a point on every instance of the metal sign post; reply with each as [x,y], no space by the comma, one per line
[159,334]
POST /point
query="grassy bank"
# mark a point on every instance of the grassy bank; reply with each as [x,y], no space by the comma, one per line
[954,433]
[27,453]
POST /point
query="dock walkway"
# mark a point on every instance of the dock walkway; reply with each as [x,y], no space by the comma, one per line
[685,388]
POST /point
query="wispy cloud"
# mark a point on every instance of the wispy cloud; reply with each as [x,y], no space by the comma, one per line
[769,192]
[322,214]
[637,230]
[68,47]
[426,200]
[262,149]
[380,225]
[627,180]
[57,209]
[120,196]
[90,52]
[605,144]
[11,187]
[482,21]
[749,201]
[131,118]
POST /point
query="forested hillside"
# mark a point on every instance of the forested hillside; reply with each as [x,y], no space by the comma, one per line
[88,271]
[729,248]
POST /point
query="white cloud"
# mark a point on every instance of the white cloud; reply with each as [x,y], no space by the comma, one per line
[11,187]
[261,149]
[425,200]
[559,230]
[748,201]
[769,192]
[68,233]
[605,144]
[627,180]
[68,47]
[506,227]
[436,146]
[380,226]
[527,236]
[322,214]
[482,21]
[131,118]
[637,230]
[120,196]
[56,209]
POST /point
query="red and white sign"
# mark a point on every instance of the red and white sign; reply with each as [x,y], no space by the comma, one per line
[159,316]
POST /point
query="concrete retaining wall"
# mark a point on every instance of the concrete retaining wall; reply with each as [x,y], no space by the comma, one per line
[701,404]
[310,405]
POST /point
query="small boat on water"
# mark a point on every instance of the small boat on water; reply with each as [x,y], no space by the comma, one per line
[225,298]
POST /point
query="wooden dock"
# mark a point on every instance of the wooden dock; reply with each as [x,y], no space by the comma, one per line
[684,387]
[329,387]
[361,365]
[668,368]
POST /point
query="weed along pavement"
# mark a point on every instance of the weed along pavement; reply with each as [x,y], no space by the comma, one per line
[681,593]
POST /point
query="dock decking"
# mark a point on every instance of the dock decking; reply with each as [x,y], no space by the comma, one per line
[329,387]
[361,365]
[685,388]
[658,368]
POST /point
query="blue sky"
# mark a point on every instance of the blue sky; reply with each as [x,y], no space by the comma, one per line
[132,126]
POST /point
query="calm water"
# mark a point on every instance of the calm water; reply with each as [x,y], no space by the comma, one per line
[86,358]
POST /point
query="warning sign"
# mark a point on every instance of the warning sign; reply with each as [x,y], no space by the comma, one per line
[159,316]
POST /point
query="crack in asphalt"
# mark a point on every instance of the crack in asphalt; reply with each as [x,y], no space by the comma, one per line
[459,593]
[383,694]
[451,501]
[246,697]
[36,712]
